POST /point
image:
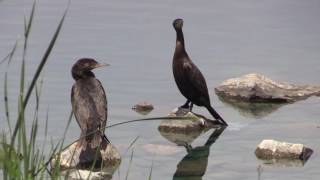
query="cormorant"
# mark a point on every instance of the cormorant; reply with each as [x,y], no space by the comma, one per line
[188,77]
[89,104]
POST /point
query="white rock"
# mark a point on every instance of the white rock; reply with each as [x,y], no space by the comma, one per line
[272,149]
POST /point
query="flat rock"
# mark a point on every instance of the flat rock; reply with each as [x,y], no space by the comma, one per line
[185,131]
[192,123]
[272,149]
[258,88]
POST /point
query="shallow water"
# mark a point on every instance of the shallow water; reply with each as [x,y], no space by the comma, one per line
[279,39]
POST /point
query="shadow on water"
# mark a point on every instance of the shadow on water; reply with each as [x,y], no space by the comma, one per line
[253,110]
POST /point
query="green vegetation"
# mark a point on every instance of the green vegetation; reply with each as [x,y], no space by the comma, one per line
[20,158]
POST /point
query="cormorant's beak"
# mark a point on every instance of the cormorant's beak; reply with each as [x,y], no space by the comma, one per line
[100,65]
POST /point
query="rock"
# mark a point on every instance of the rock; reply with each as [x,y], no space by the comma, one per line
[143,108]
[69,159]
[185,131]
[272,149]
[192,123]
[76,174]
[258,88]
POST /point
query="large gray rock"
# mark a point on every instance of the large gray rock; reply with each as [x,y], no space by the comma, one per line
[258,88]
[272,149]
[69,160]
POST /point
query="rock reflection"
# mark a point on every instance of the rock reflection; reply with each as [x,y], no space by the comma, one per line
[253,110]
[194,164]
[284,162]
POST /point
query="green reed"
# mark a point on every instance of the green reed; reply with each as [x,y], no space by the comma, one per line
[20,157]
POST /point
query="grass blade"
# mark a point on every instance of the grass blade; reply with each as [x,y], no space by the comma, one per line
[150,173]
[38,71]
[131,144]
[130,162]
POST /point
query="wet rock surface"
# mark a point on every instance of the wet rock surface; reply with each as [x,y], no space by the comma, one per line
[72,164]
[192,123]
[272,149]
[258,88]
[143,108]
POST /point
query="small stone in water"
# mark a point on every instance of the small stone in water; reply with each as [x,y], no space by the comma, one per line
[143,107]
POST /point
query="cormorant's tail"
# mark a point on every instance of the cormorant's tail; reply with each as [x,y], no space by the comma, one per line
[216,115]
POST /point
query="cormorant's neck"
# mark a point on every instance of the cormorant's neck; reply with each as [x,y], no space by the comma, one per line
[82,75]
[180,40]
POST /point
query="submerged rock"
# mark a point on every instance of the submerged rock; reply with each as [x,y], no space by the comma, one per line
[160,149]
[258,88]
[74,165]
[143,108]
[272,149]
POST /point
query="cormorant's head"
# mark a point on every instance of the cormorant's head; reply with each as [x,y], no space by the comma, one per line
[177,24]
[82,68]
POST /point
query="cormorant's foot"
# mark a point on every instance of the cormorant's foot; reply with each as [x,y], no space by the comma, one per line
[187,146]
[222,122]
[185,106]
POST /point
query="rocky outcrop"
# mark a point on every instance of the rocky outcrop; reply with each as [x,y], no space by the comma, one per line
[258,88]
[71,162]
[280,151]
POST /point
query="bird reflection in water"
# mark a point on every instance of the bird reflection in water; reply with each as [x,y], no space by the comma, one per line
[194,164]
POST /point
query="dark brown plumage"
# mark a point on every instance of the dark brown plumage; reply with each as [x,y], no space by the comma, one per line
[188,77]
[89,102]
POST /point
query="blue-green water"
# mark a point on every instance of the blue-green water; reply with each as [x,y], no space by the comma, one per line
[228,38]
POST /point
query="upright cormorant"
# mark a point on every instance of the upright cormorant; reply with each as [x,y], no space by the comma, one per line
[89,103]
[188,77]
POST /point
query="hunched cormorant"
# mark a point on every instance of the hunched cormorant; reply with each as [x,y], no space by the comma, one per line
[89,104]
[188,77]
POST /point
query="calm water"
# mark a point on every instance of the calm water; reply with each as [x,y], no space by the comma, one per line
[227,38]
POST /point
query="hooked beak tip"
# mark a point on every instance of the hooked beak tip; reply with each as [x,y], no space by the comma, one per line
[101,65]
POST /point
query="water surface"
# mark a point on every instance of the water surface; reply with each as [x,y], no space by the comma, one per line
[228,38]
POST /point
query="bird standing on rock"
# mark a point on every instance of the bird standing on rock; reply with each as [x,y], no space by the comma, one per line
[89,104]
[188,77]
